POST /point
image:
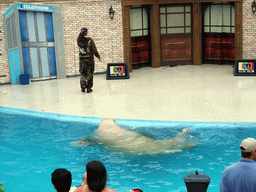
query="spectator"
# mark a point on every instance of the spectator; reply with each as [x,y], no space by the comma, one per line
[136,190]
[96,178]
[80,188]
[241,177]
[61,180]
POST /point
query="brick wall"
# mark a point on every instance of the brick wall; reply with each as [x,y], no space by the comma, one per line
[106,33]
[249,31]
[4,62]
[93,14]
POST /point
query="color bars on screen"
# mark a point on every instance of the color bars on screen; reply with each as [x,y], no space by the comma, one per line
[117,70]
[246,67]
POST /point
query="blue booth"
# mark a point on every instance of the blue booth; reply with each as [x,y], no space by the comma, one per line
[34,38]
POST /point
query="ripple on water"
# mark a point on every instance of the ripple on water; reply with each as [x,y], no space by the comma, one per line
[139,179]
[153,184]
[213,163]
[134,165]
[165,182]
[179,171]
[146,172]
[199,157]
[154,166]
[128,177]
[181,189]
[136,170]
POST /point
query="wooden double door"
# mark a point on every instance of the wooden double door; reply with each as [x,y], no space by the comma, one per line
[178,45]
[175,35]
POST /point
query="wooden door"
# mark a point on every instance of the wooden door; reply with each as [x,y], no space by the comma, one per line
[140,36]
[219,34]
[175,28]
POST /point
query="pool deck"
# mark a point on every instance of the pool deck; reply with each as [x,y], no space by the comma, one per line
[208,93]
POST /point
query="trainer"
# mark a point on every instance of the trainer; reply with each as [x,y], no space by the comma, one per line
[87,50]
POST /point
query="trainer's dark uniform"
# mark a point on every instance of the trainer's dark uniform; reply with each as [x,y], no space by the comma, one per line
[87,50]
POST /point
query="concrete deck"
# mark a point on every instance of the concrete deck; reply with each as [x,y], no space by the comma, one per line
[209,93]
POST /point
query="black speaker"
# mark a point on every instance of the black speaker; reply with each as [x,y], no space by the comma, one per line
[197,182]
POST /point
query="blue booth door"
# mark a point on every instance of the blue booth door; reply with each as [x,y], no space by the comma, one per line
[37,38]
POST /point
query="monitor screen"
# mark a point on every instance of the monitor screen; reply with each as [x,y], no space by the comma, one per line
[117,71]
[245,67]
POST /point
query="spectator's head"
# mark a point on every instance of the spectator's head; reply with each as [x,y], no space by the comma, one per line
[136,190]
[248,148]
[96,176]
[84,31]
[61,180]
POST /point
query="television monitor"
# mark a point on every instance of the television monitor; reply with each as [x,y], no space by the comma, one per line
[117,71]
[245,67]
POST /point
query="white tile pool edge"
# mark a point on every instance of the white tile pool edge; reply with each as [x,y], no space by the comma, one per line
[130,122]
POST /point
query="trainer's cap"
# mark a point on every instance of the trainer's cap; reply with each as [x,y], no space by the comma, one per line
[84,29]
[248,145]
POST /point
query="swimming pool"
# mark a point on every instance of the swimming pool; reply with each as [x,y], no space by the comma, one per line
[34,144]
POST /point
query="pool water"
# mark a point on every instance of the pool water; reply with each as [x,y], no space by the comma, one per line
[32,147]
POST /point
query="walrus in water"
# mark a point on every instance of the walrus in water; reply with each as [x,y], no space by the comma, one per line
[112,136]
